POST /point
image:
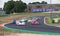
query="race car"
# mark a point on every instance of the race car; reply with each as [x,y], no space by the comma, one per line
[34,18]
[24,19]
[35,23]
[29,21]
[20,23]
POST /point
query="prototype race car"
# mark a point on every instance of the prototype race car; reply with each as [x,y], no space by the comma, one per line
[34,18]
[29,21]
[24,19]
[35,23]
[20,23]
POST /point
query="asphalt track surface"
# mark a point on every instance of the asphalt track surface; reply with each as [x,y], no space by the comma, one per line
[40,27]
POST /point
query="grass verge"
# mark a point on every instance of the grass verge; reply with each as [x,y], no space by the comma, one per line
[49,22]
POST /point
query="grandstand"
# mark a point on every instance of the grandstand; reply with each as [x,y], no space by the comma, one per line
[43,7]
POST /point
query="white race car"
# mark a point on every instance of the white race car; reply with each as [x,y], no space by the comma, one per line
[23,19]
[20,23]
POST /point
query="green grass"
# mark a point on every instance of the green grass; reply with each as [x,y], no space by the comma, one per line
[50,20]
[21,14]
[26,13]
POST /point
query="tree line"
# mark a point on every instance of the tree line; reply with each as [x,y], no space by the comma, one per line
[14,6]
[17,6]
[43,2]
